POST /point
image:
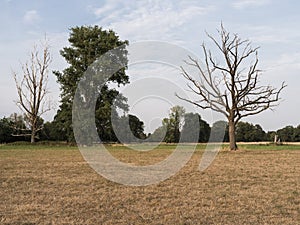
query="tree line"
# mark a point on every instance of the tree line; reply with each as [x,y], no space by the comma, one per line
[14,128]
[229,86]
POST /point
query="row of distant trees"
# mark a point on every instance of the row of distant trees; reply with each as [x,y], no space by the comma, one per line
[15,128]
[219,131]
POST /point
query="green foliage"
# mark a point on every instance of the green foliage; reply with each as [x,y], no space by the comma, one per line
[18,123]
[51,132]
[247,132]
[186,127]
[204,131]
[289,134]
[191,121]
[170,130]
[137,127]
[6,131]
[296,136]
[270,136]
[129,129]
[20,128]
[220,132]
[87,44]
[173,124]
[16,128]
[159,134]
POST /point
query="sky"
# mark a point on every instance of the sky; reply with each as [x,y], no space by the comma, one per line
[271,24]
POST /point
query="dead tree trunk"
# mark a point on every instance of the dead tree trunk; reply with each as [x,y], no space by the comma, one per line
[230,86]
[232,139]
[32,88]
[33,134]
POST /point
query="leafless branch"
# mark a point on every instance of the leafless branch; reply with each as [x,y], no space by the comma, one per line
[229,88]
[32,87]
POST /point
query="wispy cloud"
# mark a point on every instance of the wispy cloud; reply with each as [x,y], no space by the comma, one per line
[141,20]
[242,4]
[273,34]
[285,62]
[31,17]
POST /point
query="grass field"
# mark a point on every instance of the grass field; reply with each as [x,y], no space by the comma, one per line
[54,185]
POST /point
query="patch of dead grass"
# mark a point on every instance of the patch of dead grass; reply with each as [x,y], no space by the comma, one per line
[56,186]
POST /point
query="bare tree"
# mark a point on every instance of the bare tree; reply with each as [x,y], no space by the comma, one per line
[32,88]
[231,88]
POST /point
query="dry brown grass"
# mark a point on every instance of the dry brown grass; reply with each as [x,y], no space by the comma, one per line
[55,185]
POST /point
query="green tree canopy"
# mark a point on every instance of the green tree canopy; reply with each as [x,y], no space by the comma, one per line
[248,132]
[129,128]
[88,43]
[288,133]
[218,134]
[174,124]
[191,120]
[181,126]
[6,130]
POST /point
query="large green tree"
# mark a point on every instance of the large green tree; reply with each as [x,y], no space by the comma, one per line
[87,44]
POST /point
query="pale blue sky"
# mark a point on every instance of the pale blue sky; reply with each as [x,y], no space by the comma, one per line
[271,24]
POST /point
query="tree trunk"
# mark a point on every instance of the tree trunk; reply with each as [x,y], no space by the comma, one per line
[32,139]
[232,140]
